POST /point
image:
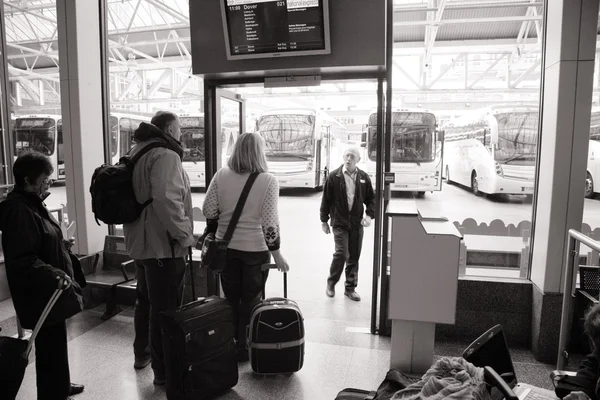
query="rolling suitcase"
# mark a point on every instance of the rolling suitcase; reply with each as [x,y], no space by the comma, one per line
[276,334]
[199,348]
[14,354]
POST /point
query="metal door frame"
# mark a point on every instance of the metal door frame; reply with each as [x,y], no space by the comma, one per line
[215,89]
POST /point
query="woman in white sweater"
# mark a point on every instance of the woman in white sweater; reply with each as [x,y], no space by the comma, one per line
[256,236]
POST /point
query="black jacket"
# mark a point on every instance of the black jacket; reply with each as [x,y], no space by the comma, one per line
[587,377]
[35,255]
[334,203]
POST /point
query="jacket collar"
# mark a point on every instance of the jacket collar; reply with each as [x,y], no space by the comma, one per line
[23,195]
[340,171]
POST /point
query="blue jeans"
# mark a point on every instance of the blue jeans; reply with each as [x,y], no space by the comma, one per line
[159,288]
[348,245]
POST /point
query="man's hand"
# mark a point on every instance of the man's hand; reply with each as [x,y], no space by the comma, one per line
[366,221]
[325,227]
[576,396]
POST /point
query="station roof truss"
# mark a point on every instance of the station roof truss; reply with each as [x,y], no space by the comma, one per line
[464,48]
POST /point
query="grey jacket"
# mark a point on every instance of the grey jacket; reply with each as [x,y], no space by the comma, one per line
[165,227]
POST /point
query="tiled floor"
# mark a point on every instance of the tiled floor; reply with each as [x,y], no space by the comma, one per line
[339,354]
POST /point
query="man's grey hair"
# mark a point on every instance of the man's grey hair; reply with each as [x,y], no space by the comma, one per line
[352,150]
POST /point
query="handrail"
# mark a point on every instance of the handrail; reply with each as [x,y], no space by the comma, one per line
[574,238]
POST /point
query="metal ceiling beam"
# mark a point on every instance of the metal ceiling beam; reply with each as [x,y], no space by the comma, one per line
[396,65]
[488,69]
[31,90]
[516,18]
[468,6]
[445,70]
[432,30]
[158,83]
[169,10]
[525,74]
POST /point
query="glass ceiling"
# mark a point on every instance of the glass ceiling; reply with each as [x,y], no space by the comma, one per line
[35,20]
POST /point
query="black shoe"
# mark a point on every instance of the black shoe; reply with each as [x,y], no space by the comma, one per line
[352,295]
[75,389]
[330,292]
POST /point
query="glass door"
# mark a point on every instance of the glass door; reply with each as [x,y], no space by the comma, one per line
[230,123]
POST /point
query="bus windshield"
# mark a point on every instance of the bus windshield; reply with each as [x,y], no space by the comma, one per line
[192,138]
[35,134]
[413,137]
[287,136]
[517,137]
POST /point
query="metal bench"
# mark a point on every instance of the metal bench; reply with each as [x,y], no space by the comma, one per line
[115,269]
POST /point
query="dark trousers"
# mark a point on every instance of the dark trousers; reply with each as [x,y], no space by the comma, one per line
[348,245]
[52,363]
[242,282]
[159,288]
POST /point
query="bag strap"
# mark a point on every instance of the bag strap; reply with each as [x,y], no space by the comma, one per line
[239,207]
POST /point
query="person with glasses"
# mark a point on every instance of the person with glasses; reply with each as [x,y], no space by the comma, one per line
[346,193]
[37,256]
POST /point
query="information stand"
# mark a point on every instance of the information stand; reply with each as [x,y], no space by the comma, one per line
[424,266]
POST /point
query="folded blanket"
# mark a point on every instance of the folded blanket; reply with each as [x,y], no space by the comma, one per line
[449,378]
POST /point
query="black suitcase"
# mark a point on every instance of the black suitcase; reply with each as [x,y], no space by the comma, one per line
[199,349]
[276,334]
[14,353]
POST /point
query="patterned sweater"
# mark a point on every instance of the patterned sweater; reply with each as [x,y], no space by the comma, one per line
[258,226]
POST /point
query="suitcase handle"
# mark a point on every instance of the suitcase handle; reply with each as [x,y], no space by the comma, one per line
[200,301]
[266,267]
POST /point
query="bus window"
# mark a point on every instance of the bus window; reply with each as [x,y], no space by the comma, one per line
[517,136]
[288,136]
[35,134]
[192,138]
[413,137]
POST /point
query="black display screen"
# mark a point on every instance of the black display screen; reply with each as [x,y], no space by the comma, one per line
[271,28]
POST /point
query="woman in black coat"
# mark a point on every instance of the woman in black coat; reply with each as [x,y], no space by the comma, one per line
[36,257]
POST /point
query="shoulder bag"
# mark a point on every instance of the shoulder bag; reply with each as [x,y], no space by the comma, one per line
[214,251]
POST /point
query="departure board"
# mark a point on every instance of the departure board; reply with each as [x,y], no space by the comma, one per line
[275,28]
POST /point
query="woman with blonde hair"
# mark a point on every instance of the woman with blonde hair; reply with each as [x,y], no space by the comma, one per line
[256,236]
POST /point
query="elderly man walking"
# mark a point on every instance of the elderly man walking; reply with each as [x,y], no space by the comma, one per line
[347,192]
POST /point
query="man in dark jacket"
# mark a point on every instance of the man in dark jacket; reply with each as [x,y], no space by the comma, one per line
[37,257]
[588,373]
[346,190]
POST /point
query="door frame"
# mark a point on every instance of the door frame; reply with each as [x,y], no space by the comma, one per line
[214,88]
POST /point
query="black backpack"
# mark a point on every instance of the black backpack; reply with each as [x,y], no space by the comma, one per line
[113,198]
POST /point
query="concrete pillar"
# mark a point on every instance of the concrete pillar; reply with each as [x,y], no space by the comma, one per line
[568,77]
[81,97]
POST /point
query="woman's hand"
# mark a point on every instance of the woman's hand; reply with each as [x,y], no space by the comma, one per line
[281,263]
[64,281]
[69,243]
[576,396]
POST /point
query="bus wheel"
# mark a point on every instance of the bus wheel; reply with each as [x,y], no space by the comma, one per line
[474,184]
[589,186]
[448,181]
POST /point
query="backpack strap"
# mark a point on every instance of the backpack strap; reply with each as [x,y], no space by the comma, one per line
[132,160]
[136,157]
[240,206]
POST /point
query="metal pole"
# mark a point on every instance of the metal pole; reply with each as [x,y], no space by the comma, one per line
[6,141]
[568,294]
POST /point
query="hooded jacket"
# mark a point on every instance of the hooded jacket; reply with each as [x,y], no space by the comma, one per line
[165,227]
[35,255]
